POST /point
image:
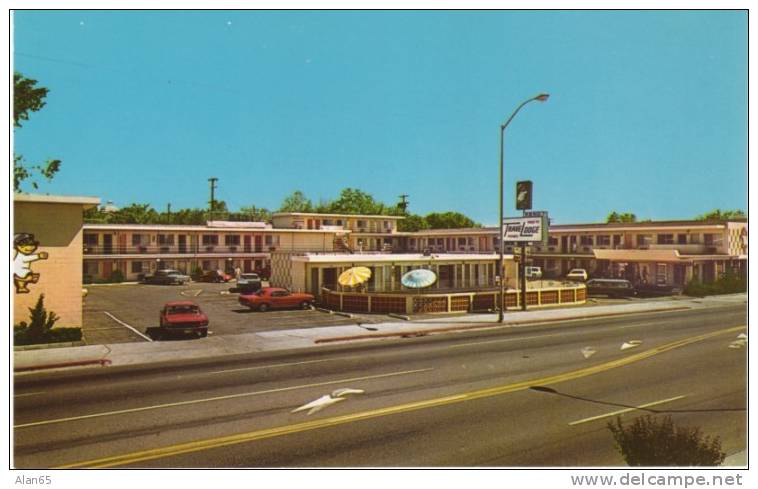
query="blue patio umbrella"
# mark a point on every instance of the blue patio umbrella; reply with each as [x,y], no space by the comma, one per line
[419,279]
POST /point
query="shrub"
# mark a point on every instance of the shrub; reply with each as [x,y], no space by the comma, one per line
[728,283]
[117,276]
[40,328]
[650,442]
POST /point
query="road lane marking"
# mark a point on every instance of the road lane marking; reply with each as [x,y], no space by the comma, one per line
[128,326]
[28,394]
[627,410]
[218,398]
[199,445]
[279,365]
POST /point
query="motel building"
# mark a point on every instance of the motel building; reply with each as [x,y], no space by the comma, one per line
[308,251]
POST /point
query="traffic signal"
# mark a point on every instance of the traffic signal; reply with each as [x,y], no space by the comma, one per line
[524,195]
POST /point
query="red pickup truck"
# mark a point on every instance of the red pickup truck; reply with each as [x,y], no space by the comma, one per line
[275,298]
[183,317]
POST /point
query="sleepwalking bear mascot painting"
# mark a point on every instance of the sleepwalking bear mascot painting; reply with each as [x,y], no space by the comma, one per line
[24,247]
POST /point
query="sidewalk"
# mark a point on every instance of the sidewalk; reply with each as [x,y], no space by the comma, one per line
[142,353]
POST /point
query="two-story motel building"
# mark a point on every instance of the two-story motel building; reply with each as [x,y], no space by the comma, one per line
[662,252]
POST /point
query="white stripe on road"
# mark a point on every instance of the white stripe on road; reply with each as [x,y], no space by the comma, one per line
[124,324]
[28,394]
[219,398]
[278,365]
[622,411]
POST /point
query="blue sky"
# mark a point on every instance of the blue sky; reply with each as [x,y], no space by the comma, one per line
[647,114]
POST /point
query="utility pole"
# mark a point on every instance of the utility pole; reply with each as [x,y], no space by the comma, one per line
[169,212]
[212,181]
[404,203]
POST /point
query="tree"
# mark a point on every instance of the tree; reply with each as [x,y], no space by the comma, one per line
[355,201]
[411,223]
[134,214]
[296,202]
[27,97]
[648,442]
[719,215]
[40,321]
[256,213]
[624,217]
[449,220]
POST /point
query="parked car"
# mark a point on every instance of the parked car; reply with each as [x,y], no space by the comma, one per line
[610,287]
[654,290]
[263,272]
[577,275]
[182,317]
[275,298]
[249,282]
[216,276]
[166,277]
[533,272]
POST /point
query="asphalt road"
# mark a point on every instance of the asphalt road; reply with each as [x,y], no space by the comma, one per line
[449,400]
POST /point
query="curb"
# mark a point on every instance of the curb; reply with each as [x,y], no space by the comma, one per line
[81,363]
[424,332]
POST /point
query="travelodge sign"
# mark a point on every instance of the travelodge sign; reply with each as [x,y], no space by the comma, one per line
[525,229]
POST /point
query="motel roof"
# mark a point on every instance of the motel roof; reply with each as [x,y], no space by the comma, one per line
[87,202]
[201,228]
[346,216]
[396,258]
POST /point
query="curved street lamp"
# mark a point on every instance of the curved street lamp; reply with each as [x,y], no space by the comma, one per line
[540,98]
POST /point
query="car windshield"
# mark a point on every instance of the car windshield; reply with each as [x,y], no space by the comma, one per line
[183,309]
[249,276]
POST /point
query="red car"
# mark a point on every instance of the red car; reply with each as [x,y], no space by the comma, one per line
[183,317]
[216,276]
[275,298]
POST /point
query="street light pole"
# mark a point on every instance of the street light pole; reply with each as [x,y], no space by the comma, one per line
[541,98]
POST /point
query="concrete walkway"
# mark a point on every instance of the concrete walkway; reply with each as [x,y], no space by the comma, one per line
[142,353]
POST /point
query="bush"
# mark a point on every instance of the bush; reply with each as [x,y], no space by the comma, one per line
[728,283]
[648,442]
[40,330]
[117,276]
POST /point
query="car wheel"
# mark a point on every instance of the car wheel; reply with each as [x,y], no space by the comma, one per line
[305,305]
[263,307]
[204,333]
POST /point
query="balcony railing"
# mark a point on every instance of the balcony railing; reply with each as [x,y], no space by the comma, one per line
[171,249]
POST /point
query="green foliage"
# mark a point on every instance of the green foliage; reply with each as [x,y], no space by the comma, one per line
[653,443]
[412,222]
[729,283]
[117,276]
[256,214]
[296,202]
[355,201]
[449,220]
[40,327]
[719,215]
[615,217]
[27,97]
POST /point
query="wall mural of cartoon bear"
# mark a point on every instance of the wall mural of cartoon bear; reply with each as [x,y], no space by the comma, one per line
[24,247]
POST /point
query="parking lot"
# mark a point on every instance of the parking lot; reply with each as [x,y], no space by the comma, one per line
[122,313]
[130,312]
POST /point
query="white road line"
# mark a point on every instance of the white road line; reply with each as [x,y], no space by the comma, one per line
[28,394]
[279,365]
[219,398]
[124,324]
[622,411]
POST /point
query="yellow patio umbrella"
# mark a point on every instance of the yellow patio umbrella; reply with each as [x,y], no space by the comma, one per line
[354,276]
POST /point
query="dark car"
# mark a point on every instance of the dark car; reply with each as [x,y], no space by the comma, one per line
[275,298]
[166,277]
[182,317]
[249,283]
[610,287]
[215,276]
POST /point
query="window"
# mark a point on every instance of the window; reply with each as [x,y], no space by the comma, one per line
[586,240]
[136,267]
[461,241]
[604,240]
[232,240]
[681,239]
[694,238]
[552,241]
[616,239]
[550,263]
[387,225]
[136,239]
[665,239]
[165,239]
[361,224]
[644,239]
[210,239]
[90,239]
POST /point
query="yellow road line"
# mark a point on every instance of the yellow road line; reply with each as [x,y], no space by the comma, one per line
[219,398]
[622,411]
[195,446]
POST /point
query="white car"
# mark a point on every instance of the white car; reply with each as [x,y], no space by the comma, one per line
[533,272]
[577,274]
